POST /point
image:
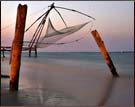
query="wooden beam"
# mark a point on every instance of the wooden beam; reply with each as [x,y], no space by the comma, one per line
[17,47]
[104,53]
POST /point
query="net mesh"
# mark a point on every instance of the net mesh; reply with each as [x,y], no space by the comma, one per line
[52,35]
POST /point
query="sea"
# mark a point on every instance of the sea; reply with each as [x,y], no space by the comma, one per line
[70,79]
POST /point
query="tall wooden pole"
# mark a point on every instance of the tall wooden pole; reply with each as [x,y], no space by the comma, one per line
[17,47]
[104,53]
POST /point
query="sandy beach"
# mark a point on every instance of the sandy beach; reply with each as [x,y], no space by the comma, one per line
[70,79]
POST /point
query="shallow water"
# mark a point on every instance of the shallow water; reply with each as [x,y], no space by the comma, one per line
[73,79]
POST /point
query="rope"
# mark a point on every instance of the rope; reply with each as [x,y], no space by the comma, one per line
[61,17]
[46,13]
[60,43]
[28,16]
[75,11]
[39,29]
[63,43]
[35,22]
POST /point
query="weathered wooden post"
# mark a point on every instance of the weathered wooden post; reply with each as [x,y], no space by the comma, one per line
[35,51]
[17,47]
[3,52]
[104,53]
[29,52]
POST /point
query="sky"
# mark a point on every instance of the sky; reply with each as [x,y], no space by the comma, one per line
[114,22]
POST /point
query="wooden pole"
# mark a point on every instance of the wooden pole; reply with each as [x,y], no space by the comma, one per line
[29,51]
[3,52]
[104,53]
[17,47]
[35,51]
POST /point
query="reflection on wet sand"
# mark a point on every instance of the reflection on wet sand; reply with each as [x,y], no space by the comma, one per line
[108,91]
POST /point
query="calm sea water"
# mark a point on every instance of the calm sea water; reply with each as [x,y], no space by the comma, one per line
[82,76]
[124,62]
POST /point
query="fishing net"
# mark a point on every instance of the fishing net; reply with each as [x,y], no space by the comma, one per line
[52,35]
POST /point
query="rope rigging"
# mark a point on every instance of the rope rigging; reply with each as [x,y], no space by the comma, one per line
[51,31]
[60,43]
[63,43]
[35,22]
[36,40]
[61,16]
[27,16]
[75,11]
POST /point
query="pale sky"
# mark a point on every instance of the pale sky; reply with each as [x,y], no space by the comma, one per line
[114,21]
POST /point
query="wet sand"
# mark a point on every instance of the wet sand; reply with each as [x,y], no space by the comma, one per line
[53,82]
